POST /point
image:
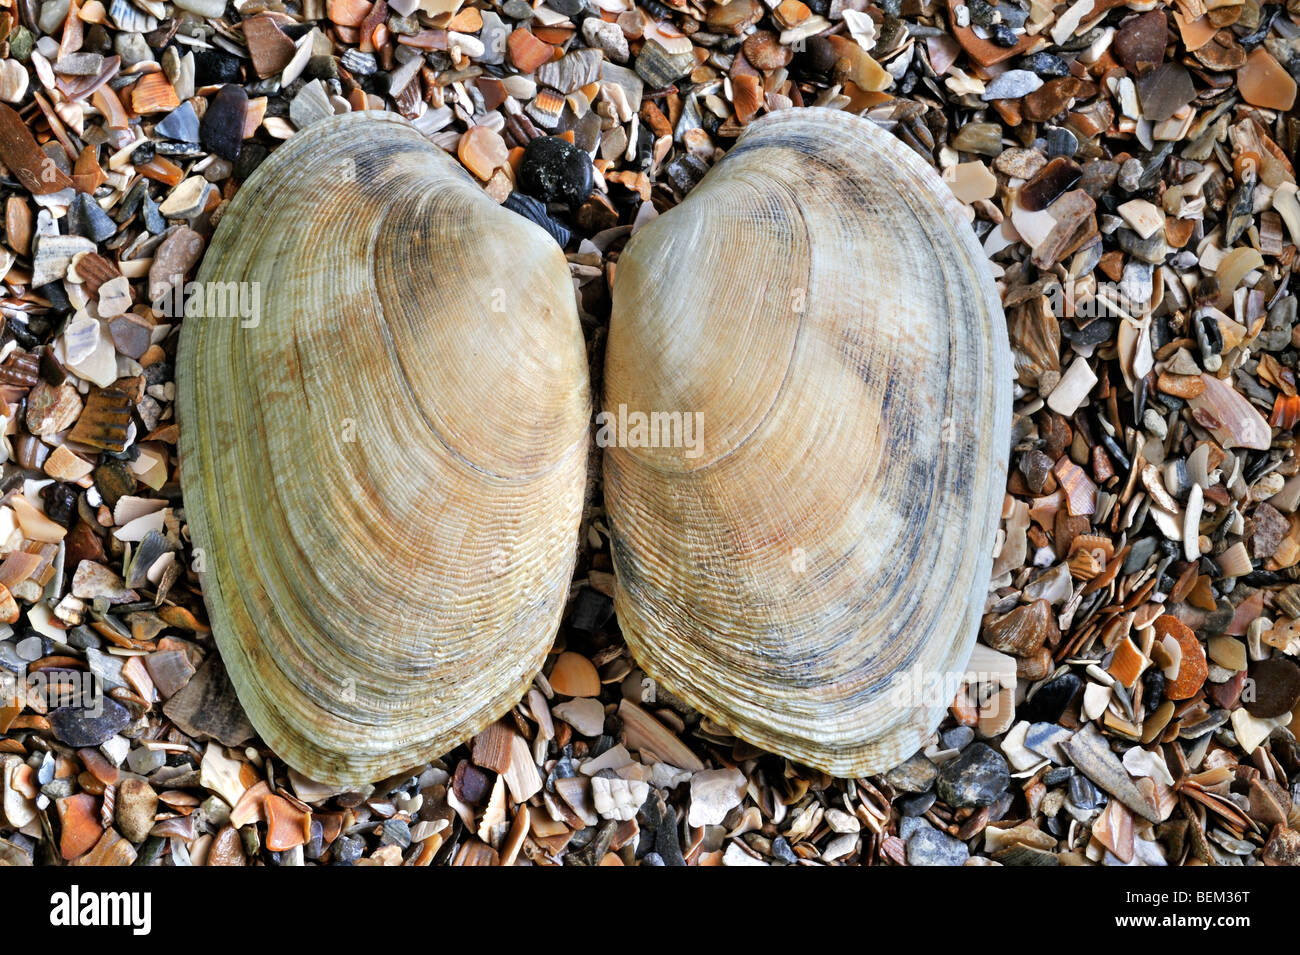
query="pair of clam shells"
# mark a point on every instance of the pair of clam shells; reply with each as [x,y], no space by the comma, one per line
[386,471]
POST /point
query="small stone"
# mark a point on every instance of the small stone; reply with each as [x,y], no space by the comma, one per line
[982,138]
[1165,91]
[79,64]
[79,825]
[554,170]
[52,409]
[203,8]
[1046,64]
[975,778]
[959,737]
[1083,793]
[915,804]
[137,804]
[527,52]
[609,37]
[1052,181]
[80,727]
[1019,163]
[1140,43]
[1059,141]
[222,129]
[1275,688]
[929,847]
[494,35]
[1013,84]
[1050,700]
[143,760]
[914,776]
[173,259]
[86,218]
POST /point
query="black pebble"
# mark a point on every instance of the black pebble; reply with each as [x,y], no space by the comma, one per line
[250,157]
[1003,35]
[1045,64]
[80,727]
[222,127]
[212,67]
[567,7]
[1047,705]
[555,170]
[60,503]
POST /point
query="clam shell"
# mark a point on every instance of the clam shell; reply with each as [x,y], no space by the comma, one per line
[819,300]
[384,469]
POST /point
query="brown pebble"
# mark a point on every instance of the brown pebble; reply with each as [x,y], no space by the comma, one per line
[1274,689]
[1140,43]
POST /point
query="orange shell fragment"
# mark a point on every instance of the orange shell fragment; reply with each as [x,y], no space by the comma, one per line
[287,826]
[1193,670]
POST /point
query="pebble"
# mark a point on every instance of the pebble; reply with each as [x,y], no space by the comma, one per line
[929,847]
[976,778]
[1083,793]
[86,218]
[222,128]
[608,38]
[1050,700]
[959,737]
[1276,688]
[482,150]
[1059,141]
[137,804]
[915,804]
[79,727]
[554,170]
[1013,84]
[914,776]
